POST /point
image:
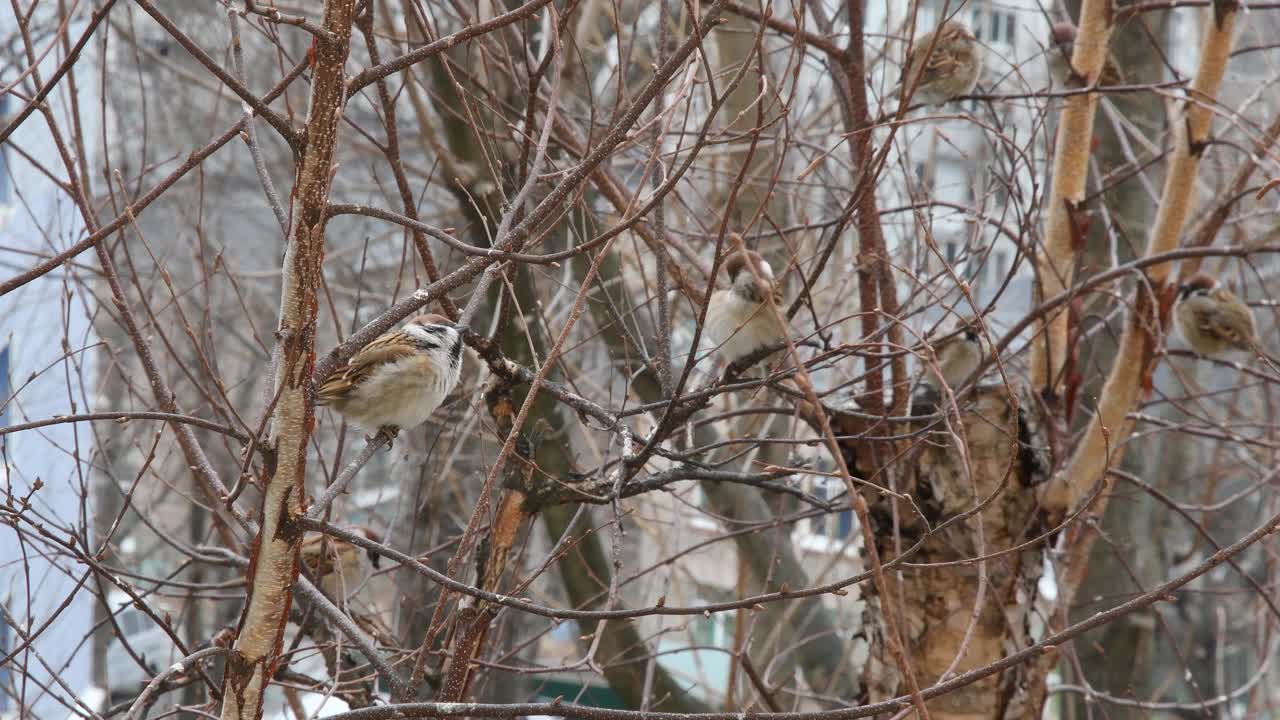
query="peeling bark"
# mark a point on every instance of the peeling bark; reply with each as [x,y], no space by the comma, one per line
[273,565]
[1105,438]
[1109,427]
[1055,266]
[965,616]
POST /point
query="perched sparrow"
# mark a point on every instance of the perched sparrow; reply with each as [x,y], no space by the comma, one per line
[739,321]
[1062,38]
[400,378]
[952,69]
[1212,319]
[958,352]
[339,567]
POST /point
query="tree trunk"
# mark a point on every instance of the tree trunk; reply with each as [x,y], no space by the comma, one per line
[1118,658]
[965,616]
[274,563]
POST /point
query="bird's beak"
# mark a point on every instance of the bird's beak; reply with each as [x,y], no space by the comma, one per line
[462,329]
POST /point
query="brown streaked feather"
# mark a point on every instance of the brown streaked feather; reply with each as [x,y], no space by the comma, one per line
[939,63]
[1212,319]
[1231,322]
[319,552]
[384,349]
[320,556]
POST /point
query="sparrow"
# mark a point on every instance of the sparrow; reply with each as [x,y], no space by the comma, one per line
[400,378]
[739,321]
[1062,38]
[1212,319]
[951,70]
[340,568]
[958,353]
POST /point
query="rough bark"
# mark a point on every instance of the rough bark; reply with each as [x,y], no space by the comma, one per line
[274,561]
[968,615]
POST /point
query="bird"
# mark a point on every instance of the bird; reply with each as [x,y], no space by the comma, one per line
[739,321]
[1062,38]
[958,353]
[340,568]
[1212,319]
[399,379]
[950,70]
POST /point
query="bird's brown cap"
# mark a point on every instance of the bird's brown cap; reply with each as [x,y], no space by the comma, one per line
[430,319]
[1063,32]
[1199,281]
[737,262]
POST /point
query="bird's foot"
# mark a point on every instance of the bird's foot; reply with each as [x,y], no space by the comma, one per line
[387,431]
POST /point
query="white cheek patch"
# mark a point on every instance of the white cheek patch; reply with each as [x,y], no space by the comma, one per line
[766,269]
[416,331]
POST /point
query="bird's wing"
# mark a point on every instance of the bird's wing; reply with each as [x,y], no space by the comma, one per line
[1210,319]
[386,348]
[312,554]
[1232,322]
[939,63]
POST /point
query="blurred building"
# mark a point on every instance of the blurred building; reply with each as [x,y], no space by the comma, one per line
[47,369]
[964,179]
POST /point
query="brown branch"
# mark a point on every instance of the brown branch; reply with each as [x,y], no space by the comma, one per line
[518,236]
[1044,648]
[1121,392]
[259,106]
[122,417]
[38,99]
[274,561]
[430,50]
[803,36]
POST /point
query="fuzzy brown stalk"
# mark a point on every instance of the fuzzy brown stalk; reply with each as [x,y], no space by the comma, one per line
[1057,258]
[274,562]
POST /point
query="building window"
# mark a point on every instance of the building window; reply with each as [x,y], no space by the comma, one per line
[950,250]
[830,530]
[994,26]
[4,388]
[924,178]
[1001,24]
[1000,265]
